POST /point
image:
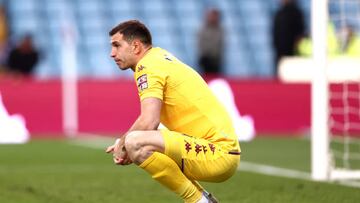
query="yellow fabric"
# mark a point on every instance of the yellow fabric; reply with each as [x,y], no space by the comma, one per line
[333,46]
[305,47]
[164,170]
[200,159]
[354,47]
[189,109]
[189,106]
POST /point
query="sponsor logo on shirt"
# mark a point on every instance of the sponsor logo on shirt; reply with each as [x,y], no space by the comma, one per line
[168,57]
[142,82]
[140,68]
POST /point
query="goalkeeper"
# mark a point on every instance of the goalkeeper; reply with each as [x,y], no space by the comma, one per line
[199,143]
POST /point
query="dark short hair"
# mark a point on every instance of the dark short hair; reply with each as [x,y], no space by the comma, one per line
[133,29]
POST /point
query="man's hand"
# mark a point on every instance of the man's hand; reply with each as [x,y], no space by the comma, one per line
[120,156]
[149,119]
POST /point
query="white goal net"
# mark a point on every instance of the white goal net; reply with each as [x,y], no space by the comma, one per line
[336,102]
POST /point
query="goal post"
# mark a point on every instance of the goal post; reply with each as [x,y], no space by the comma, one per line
[320,162]
[335,103]
[69,76]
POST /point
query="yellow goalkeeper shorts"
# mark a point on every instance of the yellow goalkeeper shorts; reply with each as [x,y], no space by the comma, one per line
[200,159]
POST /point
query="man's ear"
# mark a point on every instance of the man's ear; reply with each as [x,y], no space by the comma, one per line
[136,46]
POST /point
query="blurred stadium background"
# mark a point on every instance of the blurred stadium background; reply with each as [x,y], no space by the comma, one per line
[55,168]
[173,24]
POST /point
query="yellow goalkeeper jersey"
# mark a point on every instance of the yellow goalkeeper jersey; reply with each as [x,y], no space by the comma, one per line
[189,106]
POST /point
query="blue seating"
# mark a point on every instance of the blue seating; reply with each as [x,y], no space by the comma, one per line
[173,23]
[121,5]
[19,6]
[154,6]
[88,6]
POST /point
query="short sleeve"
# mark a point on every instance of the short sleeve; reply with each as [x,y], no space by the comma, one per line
[150,83]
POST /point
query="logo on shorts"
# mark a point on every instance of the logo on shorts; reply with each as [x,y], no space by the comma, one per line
[198,149]
[142,82]
[212,148]
[204,149]
[187,147]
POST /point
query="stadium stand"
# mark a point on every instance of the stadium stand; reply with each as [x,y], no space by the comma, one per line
[174,25]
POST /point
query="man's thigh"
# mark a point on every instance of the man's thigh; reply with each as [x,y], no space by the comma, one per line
[199,159]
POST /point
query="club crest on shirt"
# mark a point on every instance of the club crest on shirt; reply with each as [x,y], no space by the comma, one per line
[142,82]
[140,68]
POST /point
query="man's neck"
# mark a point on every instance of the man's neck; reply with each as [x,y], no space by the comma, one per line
[146,50]
[142,55]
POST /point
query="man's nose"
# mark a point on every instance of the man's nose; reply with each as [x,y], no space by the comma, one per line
[112,53]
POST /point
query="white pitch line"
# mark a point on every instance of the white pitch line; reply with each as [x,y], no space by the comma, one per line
[92,141]
[273,171]
[349,183]
[287,173]
[90,144]
[100,142]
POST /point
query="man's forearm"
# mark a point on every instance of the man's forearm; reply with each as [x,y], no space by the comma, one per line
[149,118]
[143,124]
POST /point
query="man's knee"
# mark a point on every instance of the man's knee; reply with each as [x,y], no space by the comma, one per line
[133,141]
[136,147]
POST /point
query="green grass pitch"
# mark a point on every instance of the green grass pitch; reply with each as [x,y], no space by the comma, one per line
[58,171]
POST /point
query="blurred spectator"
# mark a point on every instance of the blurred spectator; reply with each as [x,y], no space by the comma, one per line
[343,43]
[211,43]
[23,58]
[304,46]
[350,42]
[288,29]
[3,34]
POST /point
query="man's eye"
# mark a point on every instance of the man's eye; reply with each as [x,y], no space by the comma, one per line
[116,45]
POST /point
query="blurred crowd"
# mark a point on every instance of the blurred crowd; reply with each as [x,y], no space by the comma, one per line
[19,58]
[290,37]
[288,33]
[211,43]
